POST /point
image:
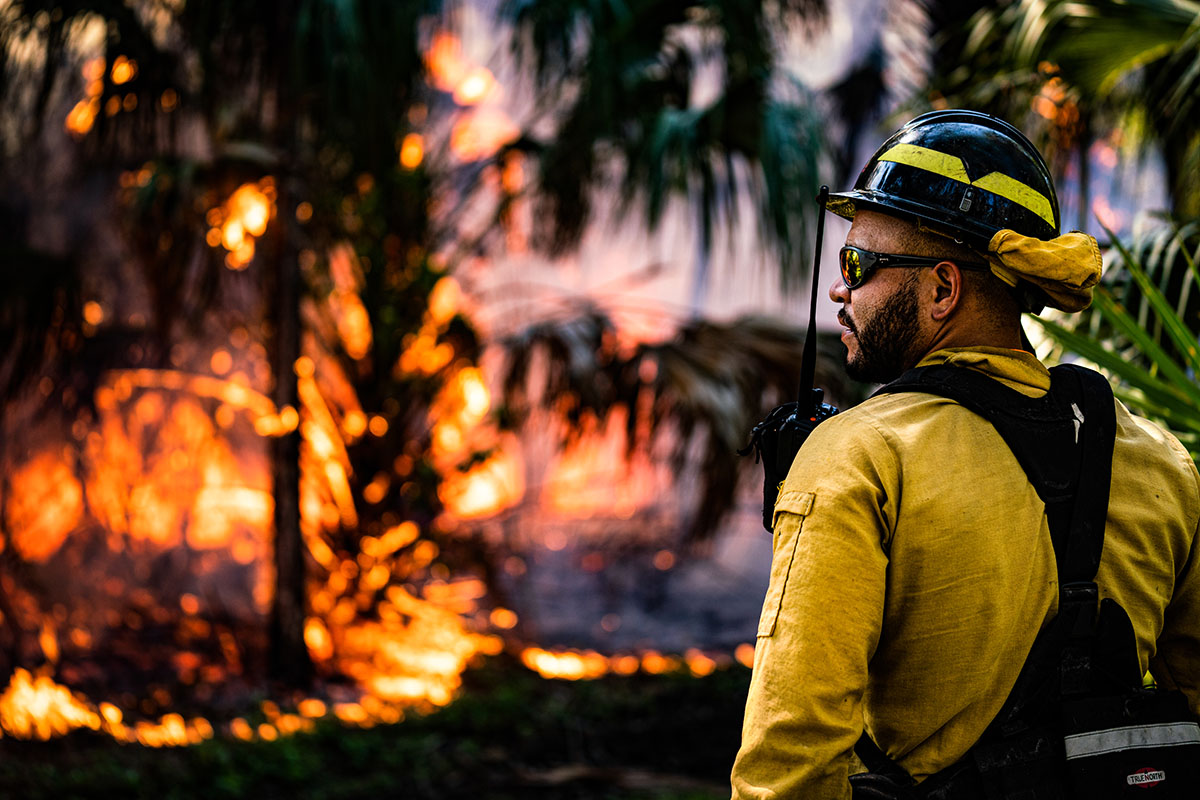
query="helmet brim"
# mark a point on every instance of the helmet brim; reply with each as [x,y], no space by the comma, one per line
[846,205]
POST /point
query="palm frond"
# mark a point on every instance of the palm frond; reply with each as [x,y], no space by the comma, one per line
[705,388]
[618,81]
[1099,42]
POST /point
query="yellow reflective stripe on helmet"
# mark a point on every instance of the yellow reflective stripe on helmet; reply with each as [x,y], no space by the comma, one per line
[952,167]
[928,160]
[1019,193]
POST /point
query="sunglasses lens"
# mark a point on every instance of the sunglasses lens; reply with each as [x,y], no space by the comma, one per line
[852,267]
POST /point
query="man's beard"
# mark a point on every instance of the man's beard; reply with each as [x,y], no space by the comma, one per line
[885,337]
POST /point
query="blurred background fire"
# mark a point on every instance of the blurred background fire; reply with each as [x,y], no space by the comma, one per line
[349,347]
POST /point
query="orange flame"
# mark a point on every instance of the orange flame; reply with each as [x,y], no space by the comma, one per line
[475,87]
[38,708]
[417,651]
[444,61]
[422,353]
[350,315]
[44,506]
[83,116]
[594,476]
[240,219]
[123,70]
[412,151]
[484,490]
[481,133]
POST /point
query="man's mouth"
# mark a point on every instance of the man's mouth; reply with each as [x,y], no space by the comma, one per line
[844,320]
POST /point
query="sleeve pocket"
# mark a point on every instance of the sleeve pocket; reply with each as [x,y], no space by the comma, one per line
[786,536]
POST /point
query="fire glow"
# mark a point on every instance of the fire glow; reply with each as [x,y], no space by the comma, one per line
[168,462]
[192,487]
[243,217]
[173,463]
[573,665]
[38,708]
[482,128]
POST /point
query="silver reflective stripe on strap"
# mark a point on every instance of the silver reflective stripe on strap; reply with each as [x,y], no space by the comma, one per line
[1134,737]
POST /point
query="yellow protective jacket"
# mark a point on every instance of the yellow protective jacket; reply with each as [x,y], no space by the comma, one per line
[913,569]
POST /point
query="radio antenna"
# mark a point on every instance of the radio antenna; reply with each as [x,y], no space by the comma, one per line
[808,364]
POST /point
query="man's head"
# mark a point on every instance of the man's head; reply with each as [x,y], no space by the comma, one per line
[965,174]
[947,187]
[900,314]
[962,172]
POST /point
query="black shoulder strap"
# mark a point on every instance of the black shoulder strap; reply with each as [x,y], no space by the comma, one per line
[1064,442]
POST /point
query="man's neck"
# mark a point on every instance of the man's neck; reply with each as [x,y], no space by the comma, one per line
[951,337]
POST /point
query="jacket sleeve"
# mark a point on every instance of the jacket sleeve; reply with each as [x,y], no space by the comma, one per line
[821,618]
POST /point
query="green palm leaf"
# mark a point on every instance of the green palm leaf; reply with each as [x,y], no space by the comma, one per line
[1154,389]
[1165,313]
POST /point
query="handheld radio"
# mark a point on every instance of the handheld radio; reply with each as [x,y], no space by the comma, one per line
[776,440]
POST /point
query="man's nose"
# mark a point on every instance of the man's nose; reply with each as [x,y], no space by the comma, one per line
[838,292]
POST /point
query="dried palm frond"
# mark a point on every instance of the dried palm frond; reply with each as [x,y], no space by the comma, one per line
[706,387]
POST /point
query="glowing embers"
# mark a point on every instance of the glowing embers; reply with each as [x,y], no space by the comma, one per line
[417,650]
[484,489]
[481,133]
[160,470]
[451,72]
[45,503]
[123,70]
[326,499]
[83,116]
[423,354]
[487,486]
[576,665]
[412,151]
[350,315]
[594,476]
[408,650]
[39,708]
[482,128]
[471,486]
[241,218]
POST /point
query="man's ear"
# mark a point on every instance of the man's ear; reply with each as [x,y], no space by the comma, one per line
[947,290]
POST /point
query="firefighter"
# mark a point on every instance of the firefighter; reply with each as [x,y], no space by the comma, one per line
[913,565]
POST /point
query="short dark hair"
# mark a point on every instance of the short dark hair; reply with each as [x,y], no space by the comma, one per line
[996,296]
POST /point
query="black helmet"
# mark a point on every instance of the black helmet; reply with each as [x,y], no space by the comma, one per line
[962,172]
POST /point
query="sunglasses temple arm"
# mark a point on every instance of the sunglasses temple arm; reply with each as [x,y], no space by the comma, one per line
[808,362]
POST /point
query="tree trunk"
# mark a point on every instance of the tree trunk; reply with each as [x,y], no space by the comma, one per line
[289,662]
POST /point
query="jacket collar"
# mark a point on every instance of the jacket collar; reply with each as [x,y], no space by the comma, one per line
[1017,369]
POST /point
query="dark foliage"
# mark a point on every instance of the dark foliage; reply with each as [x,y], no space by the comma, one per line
[619,82]
[512,735]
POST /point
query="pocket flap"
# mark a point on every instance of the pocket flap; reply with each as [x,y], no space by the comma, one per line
[800,504]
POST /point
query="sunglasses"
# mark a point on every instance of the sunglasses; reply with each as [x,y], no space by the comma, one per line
[858,264]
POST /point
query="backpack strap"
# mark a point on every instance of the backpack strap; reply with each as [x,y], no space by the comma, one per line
[1064,442]
[1063,457]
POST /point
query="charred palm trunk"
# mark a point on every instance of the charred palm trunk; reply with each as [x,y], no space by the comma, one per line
[289,663]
